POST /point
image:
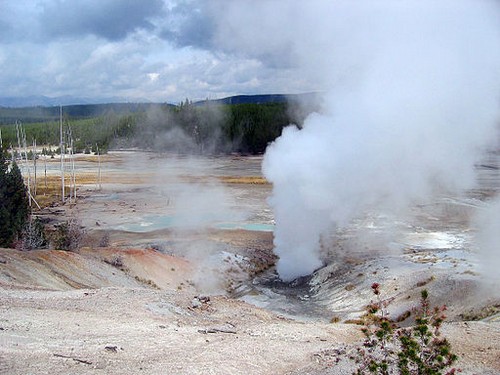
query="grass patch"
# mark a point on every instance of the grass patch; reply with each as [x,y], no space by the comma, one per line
[482,313]
[148,282]
[254,180]
[425,282]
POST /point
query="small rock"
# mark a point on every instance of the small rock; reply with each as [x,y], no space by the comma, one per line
[199,301]
[203,299]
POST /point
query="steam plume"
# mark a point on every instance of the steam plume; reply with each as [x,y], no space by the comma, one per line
[488,238]
[413,99]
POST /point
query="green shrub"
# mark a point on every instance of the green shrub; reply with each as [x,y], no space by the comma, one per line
[417,350]
[68,235]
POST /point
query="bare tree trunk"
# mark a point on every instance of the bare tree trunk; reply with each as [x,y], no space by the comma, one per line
[62,152]
[25,162]
[99,182]
[73,174]
[72,184]
[34,167]
[21,139]
[45,170]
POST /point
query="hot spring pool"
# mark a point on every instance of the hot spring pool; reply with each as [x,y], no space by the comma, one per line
[152,223]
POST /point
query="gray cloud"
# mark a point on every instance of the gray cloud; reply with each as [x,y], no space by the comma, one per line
[109,19]
[247,29]
[189,23]
[17,22]
[5,28]
[265,30]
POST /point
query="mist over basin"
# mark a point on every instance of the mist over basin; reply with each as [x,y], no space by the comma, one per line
[143,192]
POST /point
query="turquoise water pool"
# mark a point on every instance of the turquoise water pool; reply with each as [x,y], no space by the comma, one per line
[152,223]
[259,227]
[147,224]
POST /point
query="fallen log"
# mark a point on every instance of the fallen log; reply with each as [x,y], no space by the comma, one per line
[84,361]
[217,330]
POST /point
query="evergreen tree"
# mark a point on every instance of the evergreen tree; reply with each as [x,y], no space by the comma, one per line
[14,206]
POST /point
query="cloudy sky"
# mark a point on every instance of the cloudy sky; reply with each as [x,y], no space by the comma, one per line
[167,50]
[158,50]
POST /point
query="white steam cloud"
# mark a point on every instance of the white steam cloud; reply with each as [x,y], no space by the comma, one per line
[412,100]
[488,237]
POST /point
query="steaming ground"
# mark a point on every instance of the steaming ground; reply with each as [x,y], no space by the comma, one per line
[133,301]
[411,102]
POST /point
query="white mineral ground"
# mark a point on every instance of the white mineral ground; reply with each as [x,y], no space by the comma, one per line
[193,298]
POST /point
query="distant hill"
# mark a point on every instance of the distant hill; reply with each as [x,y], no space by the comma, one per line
[80,111]
[264,99]
[45,101]
[253,99]
[49,111]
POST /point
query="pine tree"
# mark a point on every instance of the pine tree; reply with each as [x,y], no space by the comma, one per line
[14,205]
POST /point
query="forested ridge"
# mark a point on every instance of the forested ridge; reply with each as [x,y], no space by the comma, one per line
[203,127]
[35,114]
